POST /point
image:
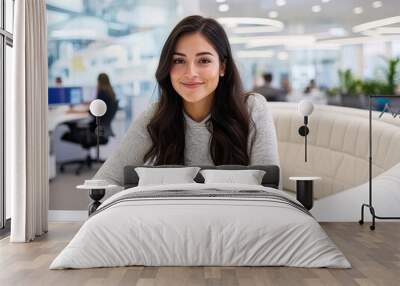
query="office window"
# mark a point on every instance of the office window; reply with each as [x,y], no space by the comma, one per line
[119,39]
[395,49]
[350,58]
[8,73]
[9,12]
[6,42]
[374,54]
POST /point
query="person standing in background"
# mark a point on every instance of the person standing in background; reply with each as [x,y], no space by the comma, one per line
[285,87]
[58,81]
[268,91]
[312,86]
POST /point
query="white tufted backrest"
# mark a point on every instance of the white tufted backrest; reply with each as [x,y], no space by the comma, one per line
[337,146]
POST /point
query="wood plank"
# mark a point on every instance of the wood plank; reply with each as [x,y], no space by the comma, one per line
[375,257]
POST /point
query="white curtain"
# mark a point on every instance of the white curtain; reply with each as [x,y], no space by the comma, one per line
[26,124]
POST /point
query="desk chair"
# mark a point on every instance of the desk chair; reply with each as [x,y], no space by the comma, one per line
[85,135]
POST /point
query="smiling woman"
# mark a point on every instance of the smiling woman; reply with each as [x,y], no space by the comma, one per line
[195,73]
[203,116]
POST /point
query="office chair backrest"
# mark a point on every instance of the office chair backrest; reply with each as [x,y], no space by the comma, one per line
[107,119]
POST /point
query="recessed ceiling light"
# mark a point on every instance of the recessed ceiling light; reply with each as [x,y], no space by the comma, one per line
[325,1]
[273,14]
[316,8]
[221,1]
[280,2]
[358,10]
[377,4]
[223,8]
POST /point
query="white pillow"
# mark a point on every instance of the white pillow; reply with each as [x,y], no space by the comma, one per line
[162,176]
[248,177]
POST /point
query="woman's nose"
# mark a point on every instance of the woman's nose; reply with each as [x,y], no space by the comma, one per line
[191,69]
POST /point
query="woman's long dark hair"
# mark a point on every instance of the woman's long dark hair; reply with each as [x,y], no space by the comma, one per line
[229,121]
[104,84]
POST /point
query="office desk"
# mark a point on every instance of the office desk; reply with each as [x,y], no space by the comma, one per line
[57,116]
[60,115]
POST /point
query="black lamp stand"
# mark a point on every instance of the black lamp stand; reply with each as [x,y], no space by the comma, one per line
[96,194]
[303,131]
[98,137]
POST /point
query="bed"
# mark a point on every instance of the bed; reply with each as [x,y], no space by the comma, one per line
[201,224]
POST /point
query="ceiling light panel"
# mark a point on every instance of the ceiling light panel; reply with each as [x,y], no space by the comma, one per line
[235,21]
[377,4]
[316,8]
[280,2]
[358,10]
[223,8]
[376,24]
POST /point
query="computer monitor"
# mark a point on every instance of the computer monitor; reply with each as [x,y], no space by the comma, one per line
[75,96]
[89,93]
[65,95]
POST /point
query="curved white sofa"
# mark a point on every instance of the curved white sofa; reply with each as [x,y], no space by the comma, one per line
[338,153]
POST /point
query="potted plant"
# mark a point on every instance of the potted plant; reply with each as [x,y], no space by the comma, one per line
[350,89]
[383,87]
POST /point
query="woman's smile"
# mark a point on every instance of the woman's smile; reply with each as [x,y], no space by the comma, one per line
[192,85]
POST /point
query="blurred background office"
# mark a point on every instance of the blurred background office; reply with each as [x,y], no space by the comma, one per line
[268,91]
[329,51]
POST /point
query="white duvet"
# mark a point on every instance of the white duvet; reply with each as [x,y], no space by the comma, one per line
[200,231]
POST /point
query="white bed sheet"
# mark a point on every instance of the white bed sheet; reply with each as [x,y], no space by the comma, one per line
[206,231]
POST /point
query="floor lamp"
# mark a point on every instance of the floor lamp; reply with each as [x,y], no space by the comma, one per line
[370,204]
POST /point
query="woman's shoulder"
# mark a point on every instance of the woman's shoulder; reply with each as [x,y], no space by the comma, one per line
[149,112]
[259,111]
[256,102]
[141,121]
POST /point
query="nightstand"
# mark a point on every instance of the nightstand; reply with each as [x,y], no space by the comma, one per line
[304,190]
[96,193]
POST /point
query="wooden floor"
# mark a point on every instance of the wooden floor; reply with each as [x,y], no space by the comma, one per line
[375,257]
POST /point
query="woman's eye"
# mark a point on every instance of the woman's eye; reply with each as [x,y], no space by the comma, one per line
[204,61]
[177,61]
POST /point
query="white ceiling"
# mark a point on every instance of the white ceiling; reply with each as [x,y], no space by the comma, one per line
[298,17]
[129,16]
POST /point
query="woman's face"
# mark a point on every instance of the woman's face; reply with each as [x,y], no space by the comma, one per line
[195,68]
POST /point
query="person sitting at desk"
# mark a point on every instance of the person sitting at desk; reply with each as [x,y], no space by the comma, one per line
[106,93]
[85,135]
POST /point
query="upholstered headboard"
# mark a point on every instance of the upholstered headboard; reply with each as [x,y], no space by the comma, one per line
[270,179]
[337,146]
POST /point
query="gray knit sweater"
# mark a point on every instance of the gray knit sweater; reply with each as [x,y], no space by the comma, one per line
[262,142]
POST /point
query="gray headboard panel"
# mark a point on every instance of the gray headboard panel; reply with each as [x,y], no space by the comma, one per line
[270,179]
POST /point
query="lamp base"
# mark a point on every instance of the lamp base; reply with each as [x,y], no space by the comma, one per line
[303,130]
[96,195]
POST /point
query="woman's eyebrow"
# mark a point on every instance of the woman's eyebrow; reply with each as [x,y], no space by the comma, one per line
[198,54]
